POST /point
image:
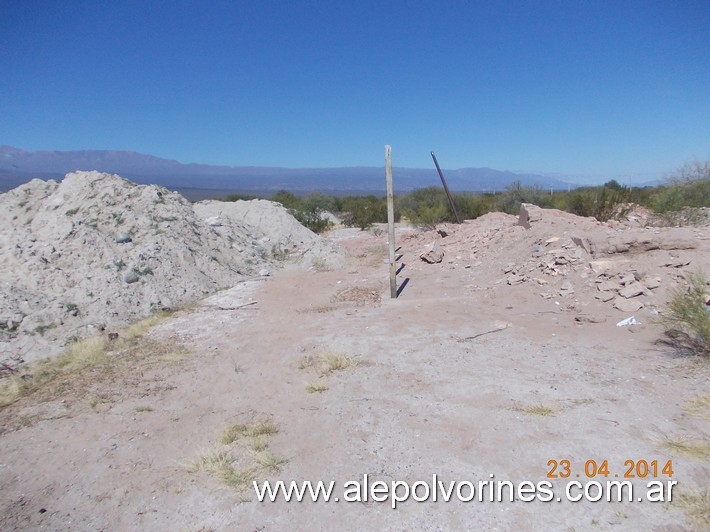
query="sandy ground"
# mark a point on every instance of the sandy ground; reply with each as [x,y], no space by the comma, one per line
[431,395]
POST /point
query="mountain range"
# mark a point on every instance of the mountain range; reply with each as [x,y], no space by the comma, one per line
[198,181]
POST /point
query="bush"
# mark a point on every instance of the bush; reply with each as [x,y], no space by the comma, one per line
[426,207]
[470,206]
[237,197]
[287,199]
[515,194]
[363,211]
[312,218]
[599,202]
[687,322]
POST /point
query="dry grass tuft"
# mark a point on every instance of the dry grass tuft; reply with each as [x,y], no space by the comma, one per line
[254,429]
[360,295]
[268,461]
[90,362]
[329,362]
[537,410]
[688,446]
[241,455]
[322,309]
[696,507]
[317,387]
[75,358]
[219,463]
[700,406]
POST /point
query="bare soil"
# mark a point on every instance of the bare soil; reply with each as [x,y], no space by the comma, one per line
[463,376]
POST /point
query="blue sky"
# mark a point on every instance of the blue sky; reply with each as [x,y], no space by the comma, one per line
[594,89]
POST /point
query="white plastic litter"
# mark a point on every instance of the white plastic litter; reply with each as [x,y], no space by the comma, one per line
[628,321]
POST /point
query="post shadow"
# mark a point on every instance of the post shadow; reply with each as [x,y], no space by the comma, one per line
[401,287]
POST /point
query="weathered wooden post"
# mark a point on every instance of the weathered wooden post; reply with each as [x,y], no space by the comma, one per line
[390,221]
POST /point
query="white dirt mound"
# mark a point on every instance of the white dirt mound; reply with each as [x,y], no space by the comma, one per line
[96,250]
[280,233]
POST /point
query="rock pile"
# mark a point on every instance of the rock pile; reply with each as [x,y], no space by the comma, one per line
[579,263]
[96,250]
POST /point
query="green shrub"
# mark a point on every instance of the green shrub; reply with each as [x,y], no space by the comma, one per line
[687,320]
[287,199]
[515,194]
[312,218]
[363,211]
[470,206]
[426,207]
[237,197]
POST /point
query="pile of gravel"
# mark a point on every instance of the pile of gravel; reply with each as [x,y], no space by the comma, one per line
[96,250]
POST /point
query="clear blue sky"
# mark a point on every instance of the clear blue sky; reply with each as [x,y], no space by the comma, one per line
[594,88]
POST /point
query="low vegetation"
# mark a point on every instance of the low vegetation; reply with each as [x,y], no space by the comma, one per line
[329,362]
[539,409]
[688,188]
[687,320]
[696,506]
[52,377]
[241,454]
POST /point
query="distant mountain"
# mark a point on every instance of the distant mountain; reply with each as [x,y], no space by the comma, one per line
[19,166]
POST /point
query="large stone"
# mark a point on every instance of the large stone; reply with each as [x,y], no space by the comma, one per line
[627,305]
[433,256]
[605,296]
[632,290]
[529,214]
[609,286]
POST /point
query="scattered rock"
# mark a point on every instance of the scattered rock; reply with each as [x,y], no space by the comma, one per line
[627,305]
[608,286]
[443,230]
[433,256]
[583,243]
[605,296]
[590,318]
[515,279]
[566,289]
[628,279]
[131,277]
[123,238]
[632,290]
[529,214]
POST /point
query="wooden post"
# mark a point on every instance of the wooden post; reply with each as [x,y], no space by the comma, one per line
[390,221]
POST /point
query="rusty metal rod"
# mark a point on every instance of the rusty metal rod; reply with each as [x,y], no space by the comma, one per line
[446,189]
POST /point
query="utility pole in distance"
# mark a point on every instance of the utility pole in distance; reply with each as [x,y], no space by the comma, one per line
[446,189]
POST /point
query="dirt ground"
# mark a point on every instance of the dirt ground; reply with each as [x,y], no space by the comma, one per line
[463,376]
